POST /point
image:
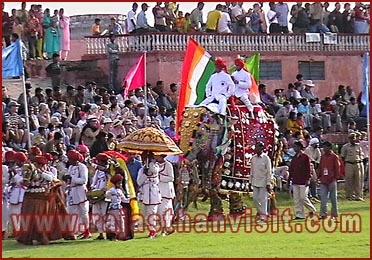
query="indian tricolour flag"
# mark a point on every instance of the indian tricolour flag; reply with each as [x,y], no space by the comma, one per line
[197,68]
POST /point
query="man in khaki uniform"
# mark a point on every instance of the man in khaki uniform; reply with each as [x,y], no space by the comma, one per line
[352,155]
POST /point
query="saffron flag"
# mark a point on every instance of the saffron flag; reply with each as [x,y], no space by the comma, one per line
[197,68]
[135,77]
[365,87]
[253,66]
[12,62]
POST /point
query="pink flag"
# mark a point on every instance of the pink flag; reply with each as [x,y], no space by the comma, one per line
[135,77]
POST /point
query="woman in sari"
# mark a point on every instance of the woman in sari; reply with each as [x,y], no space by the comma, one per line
[52,36]
[64,24]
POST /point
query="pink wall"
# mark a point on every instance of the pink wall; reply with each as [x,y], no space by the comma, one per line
[341,69]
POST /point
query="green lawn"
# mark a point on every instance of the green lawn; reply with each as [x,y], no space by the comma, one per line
[210,245]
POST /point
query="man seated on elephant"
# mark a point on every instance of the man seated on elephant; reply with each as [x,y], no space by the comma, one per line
[219,87]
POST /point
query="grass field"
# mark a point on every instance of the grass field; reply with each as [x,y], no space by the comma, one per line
[209,245]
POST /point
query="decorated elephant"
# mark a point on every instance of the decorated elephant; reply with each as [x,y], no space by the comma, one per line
[223,148]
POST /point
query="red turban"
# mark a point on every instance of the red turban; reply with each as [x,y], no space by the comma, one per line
[102,157]
[116,178]
[21,157]
[239,63]
[41,159]
[82,148]
[34,150]
[80,157]
[220,63]
[74,155]
[49,157]
[9,156]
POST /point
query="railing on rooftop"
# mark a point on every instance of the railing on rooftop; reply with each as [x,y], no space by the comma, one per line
[232,42]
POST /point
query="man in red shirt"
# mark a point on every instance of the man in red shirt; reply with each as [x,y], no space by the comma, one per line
[300,174]
[328,173]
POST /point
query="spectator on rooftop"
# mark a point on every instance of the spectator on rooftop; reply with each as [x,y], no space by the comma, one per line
[114,27]
[131,19]
[142,25]
[160,15]
[196,17]
[283,10]
[52,35]
[64,24]
[96,27]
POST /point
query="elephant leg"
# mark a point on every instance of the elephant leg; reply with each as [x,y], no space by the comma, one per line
[236,203]
[216,209]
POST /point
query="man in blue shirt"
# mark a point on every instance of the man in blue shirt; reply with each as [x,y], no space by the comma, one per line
[115,28]
[133,166]
[282,9]
[305,110]
[142,25]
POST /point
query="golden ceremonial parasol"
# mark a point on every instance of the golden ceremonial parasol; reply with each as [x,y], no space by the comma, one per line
[149,139]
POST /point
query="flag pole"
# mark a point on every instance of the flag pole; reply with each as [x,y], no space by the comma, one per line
[368,111]
[145,81]
[365,98]
[26,110]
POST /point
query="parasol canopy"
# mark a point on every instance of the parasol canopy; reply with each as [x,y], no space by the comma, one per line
[149,139]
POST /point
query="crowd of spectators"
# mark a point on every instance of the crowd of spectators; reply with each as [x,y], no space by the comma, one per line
[299,110]
[85,114]
[42,32]
[232,17]
[92,120]
[303,117]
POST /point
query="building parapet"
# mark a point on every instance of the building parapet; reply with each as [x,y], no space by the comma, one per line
[235,43]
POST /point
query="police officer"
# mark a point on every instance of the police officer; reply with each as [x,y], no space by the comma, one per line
[352,155]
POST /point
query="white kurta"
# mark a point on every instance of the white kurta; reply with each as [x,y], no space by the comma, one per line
[148,185]
[99,181]
[243,87]
[79,180]
[117,197]
[166,178]
[5,205]
[53,170]
[219,87]
[77,201]
[244,82]
[5,180]
[17,190]
[99,208]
